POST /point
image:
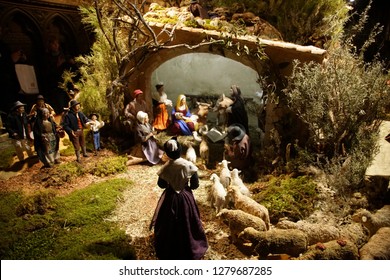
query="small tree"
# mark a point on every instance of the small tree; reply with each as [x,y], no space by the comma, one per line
[103,85]
[98,68]
[342,102]
[337,98]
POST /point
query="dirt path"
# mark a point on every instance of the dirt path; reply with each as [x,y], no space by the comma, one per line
[136,209]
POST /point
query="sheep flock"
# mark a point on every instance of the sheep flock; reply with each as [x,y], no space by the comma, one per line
[366,236]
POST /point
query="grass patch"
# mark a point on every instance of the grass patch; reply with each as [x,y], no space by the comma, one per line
[69,171]
[8,203]
[38,203]
[109,166]
[7,155]
[288,197]
[69,150]
[74,227]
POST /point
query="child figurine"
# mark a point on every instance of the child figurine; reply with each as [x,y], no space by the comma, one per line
[95,126]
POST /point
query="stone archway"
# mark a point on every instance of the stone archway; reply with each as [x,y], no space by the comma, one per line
[278,63]
[144,77]
[205,75]
[280,54]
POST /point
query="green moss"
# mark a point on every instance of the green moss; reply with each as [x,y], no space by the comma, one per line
[169,20]
[69,150]
[8,203]
[109,166]
[211,27]
[69,171]
[164,20]
[191,23]
[6,158]
[90,204]
[288,197]
[38,203]
[77,228]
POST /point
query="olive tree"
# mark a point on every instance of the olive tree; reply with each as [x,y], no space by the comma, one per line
[337,98]
[342,102]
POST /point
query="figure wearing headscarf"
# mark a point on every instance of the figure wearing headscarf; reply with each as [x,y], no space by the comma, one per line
[161,106]
[134,106]
[40,104]
[236,113]
[46,139]
[239,150]
[146,148]
[178,230]
[183,122]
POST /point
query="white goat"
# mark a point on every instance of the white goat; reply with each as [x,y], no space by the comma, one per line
[218,193]
[247,204]
[191,154]
[237,181]
[225,175]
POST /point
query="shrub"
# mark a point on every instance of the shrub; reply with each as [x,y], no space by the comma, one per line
[69,150]
[342,102]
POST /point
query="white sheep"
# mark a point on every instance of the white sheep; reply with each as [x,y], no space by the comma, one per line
[238,220]
[378,247]
[237,181]
[373,221]
[247,204]
[190,153]
[218,193]
[225,175]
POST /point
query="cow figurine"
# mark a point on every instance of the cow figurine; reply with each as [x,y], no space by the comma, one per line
[202,113]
